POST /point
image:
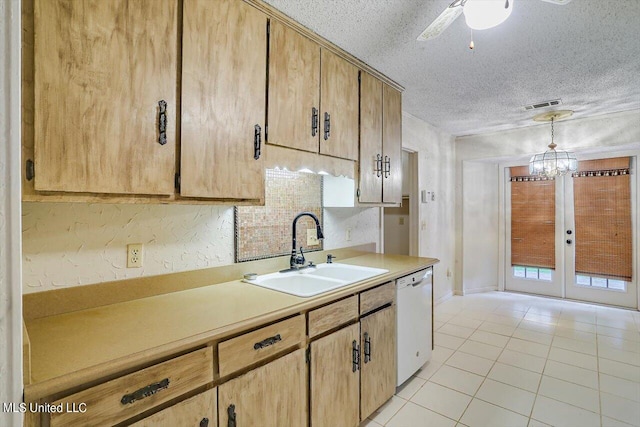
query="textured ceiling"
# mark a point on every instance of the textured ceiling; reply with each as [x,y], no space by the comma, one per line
[586,53]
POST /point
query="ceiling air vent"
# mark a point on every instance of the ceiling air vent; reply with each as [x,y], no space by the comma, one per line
[543,104]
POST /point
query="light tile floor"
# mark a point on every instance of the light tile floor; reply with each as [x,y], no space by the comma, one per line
[504,359]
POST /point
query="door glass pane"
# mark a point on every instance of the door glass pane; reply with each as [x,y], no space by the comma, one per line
[602,212]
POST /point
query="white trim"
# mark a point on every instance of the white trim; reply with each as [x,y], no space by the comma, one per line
[10,211]
[458,292]
[479,290]
[443,298]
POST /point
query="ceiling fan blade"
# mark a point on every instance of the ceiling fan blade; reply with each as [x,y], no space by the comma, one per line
[442,21]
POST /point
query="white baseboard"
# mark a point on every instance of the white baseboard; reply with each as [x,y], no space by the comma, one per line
[458,293]
[479,290]
[443,298]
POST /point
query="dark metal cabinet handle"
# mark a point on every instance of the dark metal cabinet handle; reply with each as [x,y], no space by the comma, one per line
[267,342]
[204,422]
[569,241]
[378,169]
[387,166]
[146,391]
[367,347]
[257,141]
[30,170]
[314,121]
[355,356]
[231,414]
[162,122]
[327,126]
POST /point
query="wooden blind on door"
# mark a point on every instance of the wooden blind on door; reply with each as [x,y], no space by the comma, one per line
[533,219]
[602,203]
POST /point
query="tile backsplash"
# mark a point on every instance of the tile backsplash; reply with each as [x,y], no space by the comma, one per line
[265,231]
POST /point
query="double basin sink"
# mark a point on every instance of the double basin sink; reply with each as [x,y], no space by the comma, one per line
[315,280]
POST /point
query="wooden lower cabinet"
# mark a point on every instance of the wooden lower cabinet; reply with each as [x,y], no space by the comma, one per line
[378,360]
[335,383]
[197,411]
[272,395]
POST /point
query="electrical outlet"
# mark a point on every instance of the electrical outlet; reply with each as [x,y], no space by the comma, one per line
[347,235]
[134,255]
[401,221]
[312,237]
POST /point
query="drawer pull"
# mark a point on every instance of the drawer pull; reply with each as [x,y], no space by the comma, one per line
[204,422]
[146,391]
[266,343]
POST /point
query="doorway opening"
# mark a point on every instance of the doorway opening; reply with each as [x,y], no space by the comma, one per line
[398,238]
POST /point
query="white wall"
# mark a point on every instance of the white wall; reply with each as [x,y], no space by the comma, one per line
[71,244]
[10,295]
[435,151]
[477,179]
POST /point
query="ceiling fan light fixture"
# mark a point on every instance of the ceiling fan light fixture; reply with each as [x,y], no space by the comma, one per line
[484,14]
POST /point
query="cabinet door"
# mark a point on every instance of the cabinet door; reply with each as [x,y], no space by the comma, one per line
[198,411]
[223,99]
[378,375]
[339,99]
[392,145]
[294,89]
[335,384]
[272,395]
[370,139]
[101,70]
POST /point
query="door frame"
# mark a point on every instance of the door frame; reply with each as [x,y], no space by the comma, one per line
[503,265]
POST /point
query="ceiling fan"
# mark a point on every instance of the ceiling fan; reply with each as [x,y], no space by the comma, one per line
[479,15]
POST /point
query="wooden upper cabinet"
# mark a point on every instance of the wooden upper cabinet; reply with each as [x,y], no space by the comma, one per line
[380,142]
[223,100]
[294,89]
[392,145]
[339,106]
[378,360]
[104,70]
[370,139]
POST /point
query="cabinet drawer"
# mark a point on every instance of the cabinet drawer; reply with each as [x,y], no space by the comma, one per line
[332,315]
[252,347]
[200,410]
[122,398]
[377,297]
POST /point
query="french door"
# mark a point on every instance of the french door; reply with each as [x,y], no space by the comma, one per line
[574,236]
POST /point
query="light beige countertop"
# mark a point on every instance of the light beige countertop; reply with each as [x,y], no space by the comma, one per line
[86,346]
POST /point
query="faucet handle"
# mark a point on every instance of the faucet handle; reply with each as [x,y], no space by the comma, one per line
[300,260]
[330,258]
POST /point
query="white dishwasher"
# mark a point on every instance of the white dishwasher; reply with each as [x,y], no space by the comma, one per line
[415,307]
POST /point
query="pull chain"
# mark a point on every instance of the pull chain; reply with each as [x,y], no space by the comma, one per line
[472,45]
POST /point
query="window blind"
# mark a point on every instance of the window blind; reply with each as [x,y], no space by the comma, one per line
[533,219]
[602,211]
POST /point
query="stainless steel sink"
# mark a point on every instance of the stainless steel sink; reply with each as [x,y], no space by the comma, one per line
[316,280]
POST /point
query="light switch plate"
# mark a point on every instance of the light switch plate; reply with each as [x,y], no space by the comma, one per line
[312,237]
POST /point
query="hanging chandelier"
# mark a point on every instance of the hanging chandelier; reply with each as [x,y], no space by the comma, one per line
[553,162]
